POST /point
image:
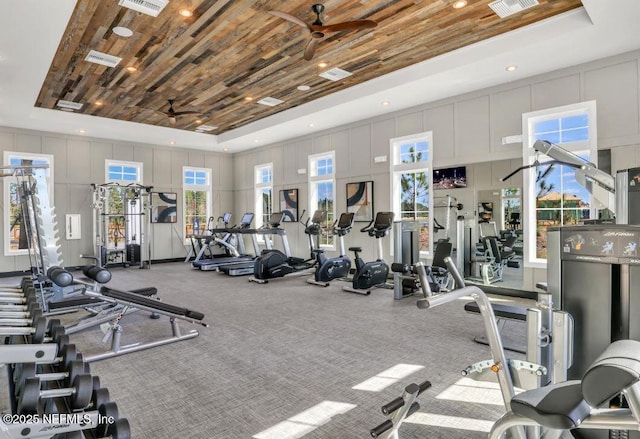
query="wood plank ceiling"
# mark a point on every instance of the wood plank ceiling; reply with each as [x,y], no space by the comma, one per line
[231,51]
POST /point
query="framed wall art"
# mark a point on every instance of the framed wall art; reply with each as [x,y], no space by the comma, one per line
[360,200]
[289,204]
[164,207]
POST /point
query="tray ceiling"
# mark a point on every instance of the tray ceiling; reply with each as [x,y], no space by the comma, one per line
[231,54]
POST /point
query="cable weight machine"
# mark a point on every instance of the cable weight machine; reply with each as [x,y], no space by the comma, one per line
[121,224]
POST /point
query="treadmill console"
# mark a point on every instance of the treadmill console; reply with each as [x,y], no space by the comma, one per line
[246,220]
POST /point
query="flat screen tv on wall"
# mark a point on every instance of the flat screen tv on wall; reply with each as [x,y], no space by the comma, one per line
[450,178]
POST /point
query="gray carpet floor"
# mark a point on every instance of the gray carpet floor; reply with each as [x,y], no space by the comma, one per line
[287,348]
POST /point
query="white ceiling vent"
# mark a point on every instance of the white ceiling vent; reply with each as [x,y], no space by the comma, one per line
[102,58]
[504,8]
[205,128]
[270,102]
[335,74]
[69,105]
[149,7]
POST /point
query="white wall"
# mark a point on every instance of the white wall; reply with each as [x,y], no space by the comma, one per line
[467,130]
[80,161]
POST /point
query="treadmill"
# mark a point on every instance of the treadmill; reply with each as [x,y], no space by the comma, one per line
[213,264]
[272,227]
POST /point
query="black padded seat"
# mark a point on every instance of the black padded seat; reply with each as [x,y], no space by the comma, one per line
[617,368]
[355,249]
[560,406]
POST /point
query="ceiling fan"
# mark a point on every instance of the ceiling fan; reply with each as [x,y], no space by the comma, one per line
[319,31]
[173,114]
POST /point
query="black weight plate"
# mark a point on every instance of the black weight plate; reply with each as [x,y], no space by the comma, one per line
[28,370]
[74,369]
[53,323]
[100,397]
[62,341]
[120,429]
[28,401]
[96,382]
[68,353]
[57,332]
[107,410]
[40,330]
[83,385]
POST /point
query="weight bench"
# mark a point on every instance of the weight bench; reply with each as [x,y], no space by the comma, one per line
[99,310]
[503,314]
[130,300]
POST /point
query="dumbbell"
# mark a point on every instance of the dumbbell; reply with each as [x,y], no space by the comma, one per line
[66,354]
[37,330]
[30,370]
[97,273]
[117,430]
[60,276]
[80,393]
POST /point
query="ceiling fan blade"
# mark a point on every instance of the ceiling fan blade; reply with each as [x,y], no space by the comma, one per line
[347,26]
[182,113]
[290,18]
[310,50]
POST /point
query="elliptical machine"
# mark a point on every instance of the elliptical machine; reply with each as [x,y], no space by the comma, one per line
[272,264]
[372,273]
[328,269]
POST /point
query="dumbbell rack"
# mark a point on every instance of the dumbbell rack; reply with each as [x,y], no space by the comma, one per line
[50,388]
[398,410]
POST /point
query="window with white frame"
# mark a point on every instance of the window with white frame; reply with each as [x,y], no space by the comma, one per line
[411,194]
[123,203]
[322,184]
[263,184]
[196,187]
[15,238]
[552,196]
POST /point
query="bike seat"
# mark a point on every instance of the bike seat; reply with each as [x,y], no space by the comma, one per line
[355,249]
[317,251]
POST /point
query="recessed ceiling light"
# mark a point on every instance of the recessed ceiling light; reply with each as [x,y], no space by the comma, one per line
[255,141]
[131,69]
[81,131]
[248,98]
[322,64]
[122,31]
[511,68]
[185,13]
[98,103]
[303,87]
[312,125]
[385,103]
[460,4]
[172,142]
[198,121]
[226,149]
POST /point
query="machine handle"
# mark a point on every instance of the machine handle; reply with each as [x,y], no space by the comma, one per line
[440,299]
[380,429]
[459,281]
[424,386]
[367,227]
[392,406]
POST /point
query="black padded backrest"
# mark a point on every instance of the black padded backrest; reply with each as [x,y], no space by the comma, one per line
[491,243]
[617,368]
[443,249]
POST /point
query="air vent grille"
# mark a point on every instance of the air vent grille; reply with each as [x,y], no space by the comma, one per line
[149,7]
[205,128]
[270,102]
[69,105]
[335,74]
[103,58]
[504,8]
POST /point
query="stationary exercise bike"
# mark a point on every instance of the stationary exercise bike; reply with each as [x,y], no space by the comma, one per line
[372,273]
[328,269]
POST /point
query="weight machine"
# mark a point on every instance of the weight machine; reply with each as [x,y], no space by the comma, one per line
[121,224]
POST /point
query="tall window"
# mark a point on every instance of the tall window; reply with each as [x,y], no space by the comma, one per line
[552,195]
[15,239]
[322,185]
[263,183]
[196,186]
[411,193]
[123,202]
